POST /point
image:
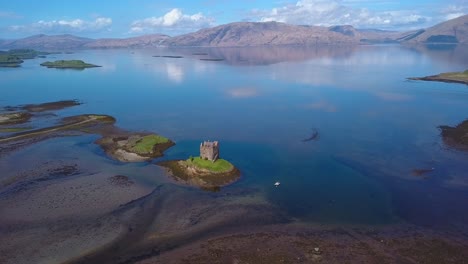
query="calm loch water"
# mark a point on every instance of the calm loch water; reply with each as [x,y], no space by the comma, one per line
[374,126]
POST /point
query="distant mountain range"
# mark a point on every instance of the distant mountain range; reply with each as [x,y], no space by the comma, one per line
[241,34]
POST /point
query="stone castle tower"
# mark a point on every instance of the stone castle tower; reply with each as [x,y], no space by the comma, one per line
[209,150]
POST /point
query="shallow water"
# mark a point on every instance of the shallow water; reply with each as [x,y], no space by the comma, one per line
[374,126]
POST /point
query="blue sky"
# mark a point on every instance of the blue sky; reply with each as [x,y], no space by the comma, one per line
[125,18]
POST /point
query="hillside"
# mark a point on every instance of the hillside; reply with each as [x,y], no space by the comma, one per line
[451,31]
[274,33]
[46,42]
[136,42]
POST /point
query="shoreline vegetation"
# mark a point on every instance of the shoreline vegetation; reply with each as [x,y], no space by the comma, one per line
[202,173]
[449,77]
[68,64]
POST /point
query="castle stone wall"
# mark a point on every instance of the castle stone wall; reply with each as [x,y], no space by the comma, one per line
[209,150]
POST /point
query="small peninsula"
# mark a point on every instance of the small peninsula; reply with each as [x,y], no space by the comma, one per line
[206,171]
[449,77]
[68,64]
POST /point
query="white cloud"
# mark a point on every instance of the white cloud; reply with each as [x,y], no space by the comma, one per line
[335,12]
[173,21]
[454,11]
[65,26]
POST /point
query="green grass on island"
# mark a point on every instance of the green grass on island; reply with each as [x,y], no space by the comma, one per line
[14,58]
[68,64]
[7,60]
[456,75]
[146,144]
[219,165]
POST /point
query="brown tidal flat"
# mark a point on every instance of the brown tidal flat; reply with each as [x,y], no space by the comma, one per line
[306,244]
[78,211]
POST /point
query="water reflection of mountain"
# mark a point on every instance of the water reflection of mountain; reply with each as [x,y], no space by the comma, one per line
[450,54]
[269,55]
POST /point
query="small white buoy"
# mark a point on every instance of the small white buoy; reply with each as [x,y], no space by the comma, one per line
[277,184]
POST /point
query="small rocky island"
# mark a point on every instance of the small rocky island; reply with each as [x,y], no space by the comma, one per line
[135,147]
[457,136]
[68,64]
[450,77]
[206,171]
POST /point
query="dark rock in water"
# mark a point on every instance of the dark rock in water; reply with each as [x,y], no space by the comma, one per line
[213,59]
[421,172]
[50,106]
[456,137]
[120,180]
[168,56]
[313,136]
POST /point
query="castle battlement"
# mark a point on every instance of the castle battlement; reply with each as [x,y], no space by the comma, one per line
[209,150]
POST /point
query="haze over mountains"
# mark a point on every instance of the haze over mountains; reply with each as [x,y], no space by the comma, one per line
[256,34]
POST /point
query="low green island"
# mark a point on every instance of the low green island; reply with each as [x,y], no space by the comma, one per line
[202,173]
[134,147]
[15,57]
[450,77]
[68,64]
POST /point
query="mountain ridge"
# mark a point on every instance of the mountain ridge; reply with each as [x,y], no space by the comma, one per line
[239,34]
